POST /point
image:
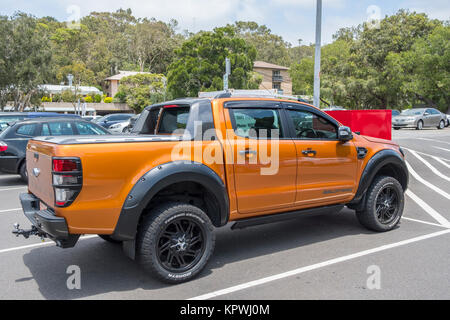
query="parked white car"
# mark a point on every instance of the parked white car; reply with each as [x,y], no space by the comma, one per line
[119,128]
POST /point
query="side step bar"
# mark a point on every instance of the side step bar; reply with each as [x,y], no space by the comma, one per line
[255,221]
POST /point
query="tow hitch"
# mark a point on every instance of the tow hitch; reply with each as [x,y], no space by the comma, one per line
[27,233]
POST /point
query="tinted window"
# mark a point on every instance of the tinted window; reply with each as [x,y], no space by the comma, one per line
[45,130]
[88,128]
[119,117]
[308,125]
[4,120]
[256,123]
[434,111]
[173,119]
[26,130]
[60,128]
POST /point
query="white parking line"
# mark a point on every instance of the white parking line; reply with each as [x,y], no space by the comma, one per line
[15,209]
[434,140]
[442,148]
[441,162]
[436,216]
[424,222]
[40,244]
[435,171]
[7,189]
[316,266]
[429,185]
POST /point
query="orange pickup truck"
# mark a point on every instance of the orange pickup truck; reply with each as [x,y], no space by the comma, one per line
[196,164]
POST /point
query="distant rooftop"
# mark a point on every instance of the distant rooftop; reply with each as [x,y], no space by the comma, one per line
[266,65]
[55,88]
[123,74]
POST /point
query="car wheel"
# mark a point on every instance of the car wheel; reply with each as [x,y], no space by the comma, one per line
[23,171]
[108,238]
[396,128]
[384,205]
[175,241]
[419,125]
[441,125]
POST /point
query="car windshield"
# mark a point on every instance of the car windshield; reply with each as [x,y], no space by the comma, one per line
[412,112]
[4,120]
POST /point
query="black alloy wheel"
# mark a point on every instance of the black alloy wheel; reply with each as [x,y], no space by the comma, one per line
[181,244]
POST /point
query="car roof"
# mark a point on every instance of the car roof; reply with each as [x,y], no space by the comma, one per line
[56,119]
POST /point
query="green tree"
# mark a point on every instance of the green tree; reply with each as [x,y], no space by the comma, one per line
[27,56]
[200,63]
[269,47]
[302,75]
[142,90]
[423,73]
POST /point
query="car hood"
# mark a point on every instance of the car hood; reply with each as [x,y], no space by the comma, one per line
[379,140]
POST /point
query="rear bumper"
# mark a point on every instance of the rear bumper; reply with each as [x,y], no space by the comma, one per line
[54,227]
[9,164]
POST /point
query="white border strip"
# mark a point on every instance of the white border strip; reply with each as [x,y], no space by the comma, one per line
[424,222]
[40,244]
[444,222]
[435,171]
[7,189]
[15,209]
[429,185]
[434,140]
[316,266]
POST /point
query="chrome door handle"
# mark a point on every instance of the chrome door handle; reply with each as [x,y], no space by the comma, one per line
[247,152]
[309,151]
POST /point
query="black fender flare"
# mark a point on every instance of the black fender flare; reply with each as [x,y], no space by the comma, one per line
[379,160]
[161,177]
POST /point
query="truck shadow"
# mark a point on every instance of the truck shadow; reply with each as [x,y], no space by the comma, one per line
[105,269]
[8,180]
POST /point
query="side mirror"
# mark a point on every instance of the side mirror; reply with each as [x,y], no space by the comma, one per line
[426,114]
[345,134]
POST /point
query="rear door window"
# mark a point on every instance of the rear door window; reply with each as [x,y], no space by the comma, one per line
[60,128]
[173,118]
[88,129]
[256,123]
[26,130]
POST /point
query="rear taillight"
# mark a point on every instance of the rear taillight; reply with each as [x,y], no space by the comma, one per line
[3,146]
[67,180]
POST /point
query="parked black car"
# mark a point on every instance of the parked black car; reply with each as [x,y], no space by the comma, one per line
[14,139]
[113,118]
[10,117]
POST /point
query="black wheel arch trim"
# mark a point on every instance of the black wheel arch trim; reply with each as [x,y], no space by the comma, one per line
[374,165]
[161,177]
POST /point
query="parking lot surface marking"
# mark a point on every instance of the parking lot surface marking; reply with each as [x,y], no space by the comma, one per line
[442,148]
[435,171]
[439,218]
[16,188]
[316,266]
[424,222]
[434,140]
[40,244]
[426,183]
[10,210]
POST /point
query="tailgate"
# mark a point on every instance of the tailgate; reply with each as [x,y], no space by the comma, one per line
[39,168]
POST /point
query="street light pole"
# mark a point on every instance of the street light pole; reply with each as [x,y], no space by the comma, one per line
[317,54]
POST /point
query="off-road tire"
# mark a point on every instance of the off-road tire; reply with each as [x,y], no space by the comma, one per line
[108,238]
[152,234]
[23,172]
[368,216]
[441,125]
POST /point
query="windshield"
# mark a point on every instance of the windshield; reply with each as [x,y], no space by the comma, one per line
[4,120]
[412,112]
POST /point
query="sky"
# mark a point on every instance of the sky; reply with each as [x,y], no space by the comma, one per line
[292,19]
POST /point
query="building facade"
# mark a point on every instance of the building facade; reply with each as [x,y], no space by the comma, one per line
[274,77]
[112,83]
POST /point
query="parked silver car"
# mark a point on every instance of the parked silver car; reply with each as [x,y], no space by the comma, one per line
[419,119]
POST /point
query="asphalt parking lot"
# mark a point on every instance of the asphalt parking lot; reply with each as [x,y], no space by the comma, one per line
[328,257]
